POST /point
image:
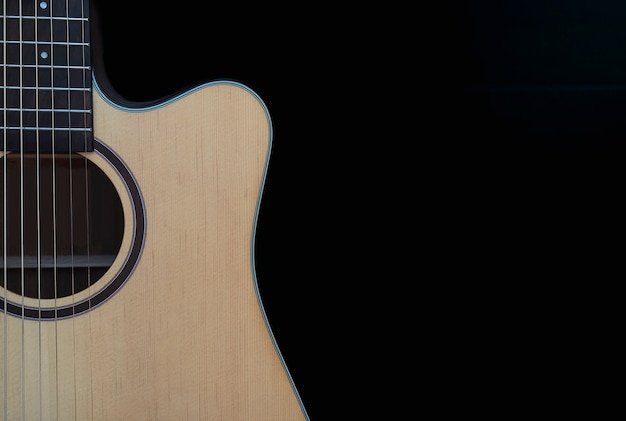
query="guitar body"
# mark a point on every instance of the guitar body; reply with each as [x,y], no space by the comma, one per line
[174,327]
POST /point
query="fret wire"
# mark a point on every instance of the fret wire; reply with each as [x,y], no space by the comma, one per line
[55,18]
[45,88]
[44,66]
[72,129]
[46,110]
[82,44]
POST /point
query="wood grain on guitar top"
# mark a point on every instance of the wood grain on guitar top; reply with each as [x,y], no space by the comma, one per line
[185,337]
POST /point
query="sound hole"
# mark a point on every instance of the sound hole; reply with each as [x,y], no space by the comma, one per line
[62,224]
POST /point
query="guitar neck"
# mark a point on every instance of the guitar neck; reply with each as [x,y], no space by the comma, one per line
[46,71]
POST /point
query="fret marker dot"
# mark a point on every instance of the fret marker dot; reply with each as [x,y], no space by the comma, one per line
[44,54]
[43,5]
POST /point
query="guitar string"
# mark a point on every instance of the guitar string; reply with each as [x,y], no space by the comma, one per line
[86,96]
[38,198]
[38,175]
[71,198]
[88,120]
[58,339]
[54,205]
[84,162]
[22,201]
[22,212]
[4,216]
[21,84]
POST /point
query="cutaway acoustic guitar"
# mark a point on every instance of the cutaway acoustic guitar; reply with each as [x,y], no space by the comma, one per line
[127,247]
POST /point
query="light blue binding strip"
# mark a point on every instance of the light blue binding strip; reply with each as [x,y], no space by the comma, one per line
[256,213]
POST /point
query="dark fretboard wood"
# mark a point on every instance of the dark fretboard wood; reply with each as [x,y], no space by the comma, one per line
[45,76]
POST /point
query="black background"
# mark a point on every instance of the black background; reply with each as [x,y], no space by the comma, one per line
[444,187]
[309,65]
[533,94]
[530,99]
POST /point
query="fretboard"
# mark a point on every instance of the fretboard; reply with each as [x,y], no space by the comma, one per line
[45,76]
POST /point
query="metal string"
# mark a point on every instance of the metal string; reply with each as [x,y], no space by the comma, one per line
[71,188]
[37,166]
[4,215]
[21,84]
[86,73]
[54,204]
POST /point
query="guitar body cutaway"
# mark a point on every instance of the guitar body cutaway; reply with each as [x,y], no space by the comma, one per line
[183,333]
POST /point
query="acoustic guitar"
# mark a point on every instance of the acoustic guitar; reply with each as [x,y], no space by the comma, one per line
[127,247]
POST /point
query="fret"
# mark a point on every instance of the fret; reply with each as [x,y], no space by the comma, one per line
[30,54]
[77,8]
[49,43]
[70,78]
[12,7]
[76,99]
[28,7]
[47,140]
[43,118]
[43,29]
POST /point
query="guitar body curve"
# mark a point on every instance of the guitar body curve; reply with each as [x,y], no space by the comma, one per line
[184,336]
